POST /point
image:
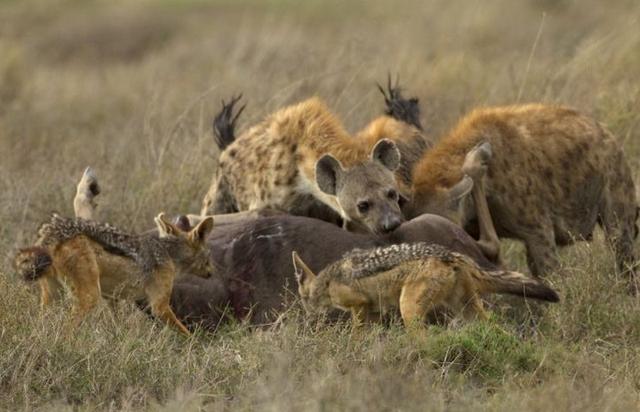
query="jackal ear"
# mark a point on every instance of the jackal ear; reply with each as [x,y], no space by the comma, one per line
[386,152]
[182,223]
[459,191]
[202,230]
[165,228]
[302,271]
[329,173]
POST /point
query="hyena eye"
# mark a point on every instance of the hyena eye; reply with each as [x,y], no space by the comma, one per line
[363,206]
[392,194]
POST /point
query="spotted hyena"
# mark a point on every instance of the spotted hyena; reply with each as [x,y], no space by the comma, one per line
[302,161]
[400,123]
[553,175]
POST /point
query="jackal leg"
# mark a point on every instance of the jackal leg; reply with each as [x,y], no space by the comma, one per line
[79,267]
[362,314]
[85,286]
[417,299]
[50,291]
[474,309]
[358,315]
[475,165]
[158,292]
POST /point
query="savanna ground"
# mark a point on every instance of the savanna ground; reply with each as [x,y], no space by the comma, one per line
[130,88]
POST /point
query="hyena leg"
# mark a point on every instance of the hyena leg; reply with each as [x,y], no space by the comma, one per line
[619,225]
[541,250]
[158,292]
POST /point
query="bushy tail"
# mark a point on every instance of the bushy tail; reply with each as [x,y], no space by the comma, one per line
[33,262]
[224,123]
[405,110]
[516,283]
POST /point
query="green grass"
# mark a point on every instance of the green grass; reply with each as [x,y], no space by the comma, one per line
[131,88]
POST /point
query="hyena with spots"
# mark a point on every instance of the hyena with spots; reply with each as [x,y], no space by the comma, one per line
[555,173]
[302,161]
[416,278]
[400,123]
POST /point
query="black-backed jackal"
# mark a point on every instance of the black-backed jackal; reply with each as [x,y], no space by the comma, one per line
[94,259]
[416,278]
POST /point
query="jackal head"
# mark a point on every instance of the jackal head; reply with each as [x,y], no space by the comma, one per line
[314,293]
[188,249]
[368,192]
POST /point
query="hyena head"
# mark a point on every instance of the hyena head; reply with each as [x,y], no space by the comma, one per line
[368,192]
[187,248]
[313,291]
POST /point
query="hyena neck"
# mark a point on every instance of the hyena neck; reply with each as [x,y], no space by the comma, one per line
[364,263]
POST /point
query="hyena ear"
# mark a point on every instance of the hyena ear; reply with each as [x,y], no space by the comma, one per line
[303,273]
[386,153]
[460,191]
[165,227]
[202,230]
[329,173]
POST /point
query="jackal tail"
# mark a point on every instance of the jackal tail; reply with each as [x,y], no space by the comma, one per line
[224,124]
[404,110]
[516,283]
[33,262]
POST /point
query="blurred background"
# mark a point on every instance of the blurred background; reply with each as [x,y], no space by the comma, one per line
[130,88]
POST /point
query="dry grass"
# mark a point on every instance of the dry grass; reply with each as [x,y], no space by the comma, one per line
[131,89]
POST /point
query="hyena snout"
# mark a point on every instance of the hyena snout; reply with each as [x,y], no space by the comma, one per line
[390,223]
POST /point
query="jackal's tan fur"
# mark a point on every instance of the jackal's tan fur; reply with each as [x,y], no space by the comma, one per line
[415,278]
[95,260]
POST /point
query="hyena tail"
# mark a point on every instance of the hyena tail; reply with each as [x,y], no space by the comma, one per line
[516,283]
[404,110]
[224,124]
[32,263]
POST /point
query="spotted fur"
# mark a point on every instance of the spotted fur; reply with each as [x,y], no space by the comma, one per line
[555,173]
